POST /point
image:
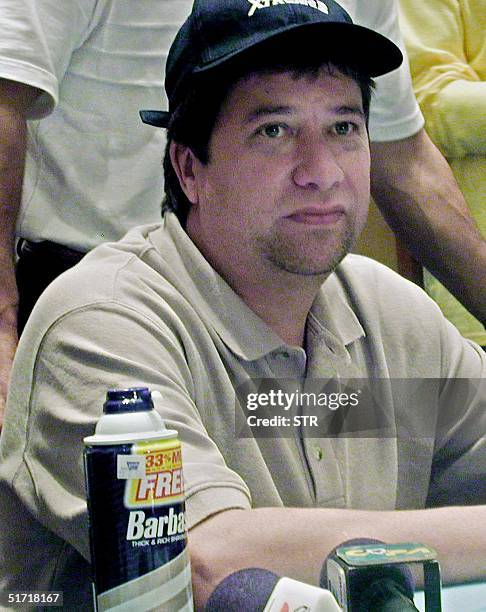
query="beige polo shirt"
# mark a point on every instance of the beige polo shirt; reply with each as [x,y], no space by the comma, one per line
[150,310]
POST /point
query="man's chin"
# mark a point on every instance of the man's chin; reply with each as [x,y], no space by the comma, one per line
[305,266]
[304,260]
[306,269]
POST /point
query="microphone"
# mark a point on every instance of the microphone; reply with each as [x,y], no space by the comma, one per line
[364,576]
[259,590]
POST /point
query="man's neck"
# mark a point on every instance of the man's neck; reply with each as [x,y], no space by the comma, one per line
[280,298]
[284,305]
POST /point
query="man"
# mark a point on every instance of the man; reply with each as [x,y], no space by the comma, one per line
[445,44]
[267,168]
[79,178]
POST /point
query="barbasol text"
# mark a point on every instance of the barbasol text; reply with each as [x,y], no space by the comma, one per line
[154,527]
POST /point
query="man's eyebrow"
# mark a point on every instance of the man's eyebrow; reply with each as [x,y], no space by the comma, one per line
[268,109]
[350,110]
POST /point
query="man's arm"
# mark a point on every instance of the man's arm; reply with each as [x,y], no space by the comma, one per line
[15,99]
[415,190]
[294,542]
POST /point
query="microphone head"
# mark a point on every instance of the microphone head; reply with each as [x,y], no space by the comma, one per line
[247,589]
[399,573]
[352,542]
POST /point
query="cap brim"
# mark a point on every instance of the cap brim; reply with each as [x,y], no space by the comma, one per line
[363,48]
[154,117]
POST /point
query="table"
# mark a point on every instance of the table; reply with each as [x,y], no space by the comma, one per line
[459,598]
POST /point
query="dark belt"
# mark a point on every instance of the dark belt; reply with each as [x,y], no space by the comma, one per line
[46,248]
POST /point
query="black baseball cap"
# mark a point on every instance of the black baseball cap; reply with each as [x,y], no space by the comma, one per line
[218,31]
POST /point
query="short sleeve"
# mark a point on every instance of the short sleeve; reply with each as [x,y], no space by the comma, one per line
[445,42]
[37,39]
[459,468]
[80,357]
[395,113]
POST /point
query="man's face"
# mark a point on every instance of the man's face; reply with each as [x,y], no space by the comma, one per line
[286,188]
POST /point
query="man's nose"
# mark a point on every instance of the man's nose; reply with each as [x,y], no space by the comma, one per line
[317,166]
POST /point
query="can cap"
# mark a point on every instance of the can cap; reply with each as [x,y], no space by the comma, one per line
[132,399]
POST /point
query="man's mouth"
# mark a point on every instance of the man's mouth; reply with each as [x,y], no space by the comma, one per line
[317,215]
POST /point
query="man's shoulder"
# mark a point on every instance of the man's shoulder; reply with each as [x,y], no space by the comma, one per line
[396,315]
[378,293]
[360,271]
[111,273]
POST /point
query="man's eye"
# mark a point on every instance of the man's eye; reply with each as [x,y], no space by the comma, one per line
[273,130]
[343,128]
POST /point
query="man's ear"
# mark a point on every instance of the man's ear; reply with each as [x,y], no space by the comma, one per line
[184,163]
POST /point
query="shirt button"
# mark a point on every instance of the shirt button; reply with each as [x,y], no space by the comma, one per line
[318,454]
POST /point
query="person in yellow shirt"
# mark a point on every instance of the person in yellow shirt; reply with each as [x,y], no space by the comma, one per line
[446,44]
